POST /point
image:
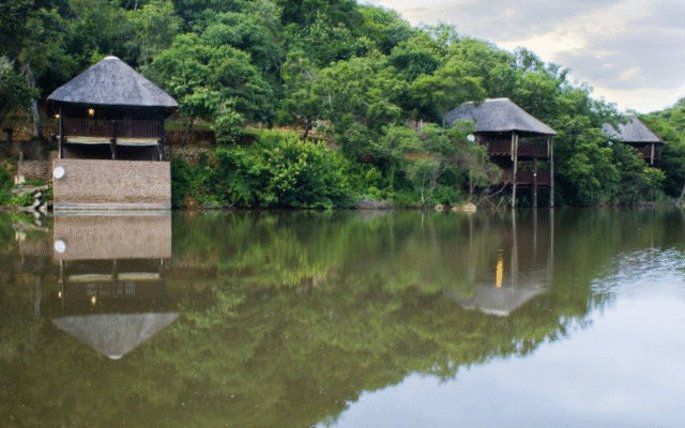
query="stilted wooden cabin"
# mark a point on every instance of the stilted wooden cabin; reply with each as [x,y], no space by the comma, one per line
[636,134]
[111,140]
[517,142]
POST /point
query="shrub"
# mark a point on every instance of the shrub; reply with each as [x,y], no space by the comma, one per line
[228,127]
[281,170]
[5,186]
[191,184]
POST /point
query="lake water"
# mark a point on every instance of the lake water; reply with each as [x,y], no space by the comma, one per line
[370,319]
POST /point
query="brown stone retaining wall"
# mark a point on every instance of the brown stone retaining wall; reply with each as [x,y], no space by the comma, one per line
[34,170]
[112,185]
[190,154]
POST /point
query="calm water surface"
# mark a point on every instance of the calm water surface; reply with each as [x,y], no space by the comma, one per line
[347,319]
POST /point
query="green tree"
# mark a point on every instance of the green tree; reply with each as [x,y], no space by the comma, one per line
[669,124]
[204,77]
[34,36]
[301,104]
[431,96]
[154,27]
[384,27]
[254,30]
[14,91]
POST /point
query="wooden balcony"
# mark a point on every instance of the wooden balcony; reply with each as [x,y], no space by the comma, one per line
[124,129]
[502,148]
[645,152]
[527,178]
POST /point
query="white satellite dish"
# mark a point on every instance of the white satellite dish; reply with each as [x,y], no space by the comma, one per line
[471,138]
[58,172]
[60,246]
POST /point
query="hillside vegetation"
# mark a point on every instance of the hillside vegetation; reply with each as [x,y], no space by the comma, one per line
[359,78]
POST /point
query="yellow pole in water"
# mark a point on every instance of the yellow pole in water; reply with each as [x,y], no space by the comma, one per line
[499,273]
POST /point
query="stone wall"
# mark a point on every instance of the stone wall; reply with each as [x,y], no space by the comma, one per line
[112,185]
[34,170]
[190,154]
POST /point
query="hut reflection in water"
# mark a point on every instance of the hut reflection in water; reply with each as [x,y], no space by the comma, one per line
[112,293]
[513,280]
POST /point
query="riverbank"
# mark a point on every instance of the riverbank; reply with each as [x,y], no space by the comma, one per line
[279,169]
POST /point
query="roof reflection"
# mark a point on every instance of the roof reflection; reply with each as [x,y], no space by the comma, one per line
[112,288]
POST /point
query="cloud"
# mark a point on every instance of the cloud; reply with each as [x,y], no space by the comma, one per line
[632,50]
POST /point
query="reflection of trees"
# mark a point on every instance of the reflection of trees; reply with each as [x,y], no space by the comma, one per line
[287,317]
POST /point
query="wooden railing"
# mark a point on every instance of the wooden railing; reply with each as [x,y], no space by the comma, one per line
[111,128]
[537,150]
[499,148]
[526,149]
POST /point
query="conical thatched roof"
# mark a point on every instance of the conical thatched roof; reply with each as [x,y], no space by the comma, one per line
[498,115]
[115,335]
[632,132]
[112,82]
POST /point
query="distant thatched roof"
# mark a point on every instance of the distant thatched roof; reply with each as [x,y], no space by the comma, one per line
[632,132]
[498,115]
[112,82]
[115,335]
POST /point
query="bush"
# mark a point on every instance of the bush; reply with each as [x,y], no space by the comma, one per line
[281,170]
[191,185]
[5,186]
[228,127]
[638,181]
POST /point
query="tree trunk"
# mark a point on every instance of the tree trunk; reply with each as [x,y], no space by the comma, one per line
[307,128]
[189,130]
[31,81]
[682,194]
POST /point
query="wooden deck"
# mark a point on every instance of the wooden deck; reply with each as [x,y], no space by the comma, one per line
[118,129]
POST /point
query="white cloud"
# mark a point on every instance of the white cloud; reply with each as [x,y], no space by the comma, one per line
[631,51]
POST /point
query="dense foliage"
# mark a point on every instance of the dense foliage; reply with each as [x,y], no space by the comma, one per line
[670,125]
[5,185]
[357,76]
[278,170]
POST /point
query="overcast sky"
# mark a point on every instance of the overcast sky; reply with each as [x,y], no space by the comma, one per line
[632,52]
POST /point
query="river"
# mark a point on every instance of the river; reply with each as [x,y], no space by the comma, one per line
[344,319]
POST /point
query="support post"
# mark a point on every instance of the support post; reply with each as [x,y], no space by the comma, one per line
[514,251]
[535,183]
[160,143]
[515,155]
[60,147]
[550,257]
[61,282]
[550,143]
[113,140]
[651,159]
[535,232]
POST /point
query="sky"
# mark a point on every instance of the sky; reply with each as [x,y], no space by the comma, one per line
[632,52]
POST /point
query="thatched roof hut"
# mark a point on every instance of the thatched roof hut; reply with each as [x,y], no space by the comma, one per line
[112,83]
[498,115]
[632,132]
[115,335]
